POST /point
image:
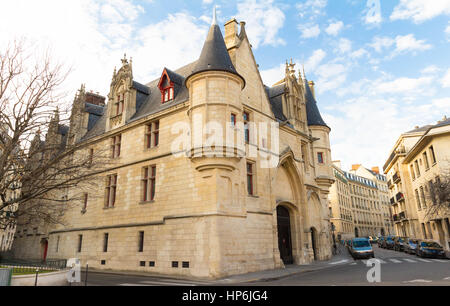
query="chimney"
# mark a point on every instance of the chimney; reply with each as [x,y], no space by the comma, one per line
[311,85]
[376,170]
[355,167]
[96,99]
[231,33]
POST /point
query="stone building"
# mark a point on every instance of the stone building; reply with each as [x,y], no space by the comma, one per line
[359,204]
[167,208]
[419,159]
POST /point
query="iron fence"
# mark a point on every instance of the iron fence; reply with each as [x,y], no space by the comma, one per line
[30,266]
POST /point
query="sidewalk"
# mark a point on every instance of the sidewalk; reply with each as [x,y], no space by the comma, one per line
[270,275]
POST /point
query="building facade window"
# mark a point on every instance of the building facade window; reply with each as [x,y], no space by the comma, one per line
[115,146]
[152,135]
[419,206]
[85,202]
[320,158]
[416,163]
[413,175]
[425,158]
[110,190]
[105,242]
[246,127]
[422,197]
[80,243]
[233,120]
[432,155]
[250,179]
[148,183]
[141,242]
[167,94]
[119,104]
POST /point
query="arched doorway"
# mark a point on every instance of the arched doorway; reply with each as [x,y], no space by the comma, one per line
[284,235]
[314,242]
[44,248]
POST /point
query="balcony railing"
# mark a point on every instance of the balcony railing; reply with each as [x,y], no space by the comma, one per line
[396,178]
[402,215]
[396,218]
[390,185]
[399,197]
[392,201]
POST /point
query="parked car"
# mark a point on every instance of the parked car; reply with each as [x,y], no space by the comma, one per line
[381,241]
[361,248]
[399,244]
[428,248]
[389,242]
[411,245]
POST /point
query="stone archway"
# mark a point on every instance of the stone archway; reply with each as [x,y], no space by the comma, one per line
[284,235]
[289,195]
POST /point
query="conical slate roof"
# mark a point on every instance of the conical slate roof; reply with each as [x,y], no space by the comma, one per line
[214,56]
[312,110]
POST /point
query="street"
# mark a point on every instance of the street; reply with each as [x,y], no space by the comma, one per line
[397,268]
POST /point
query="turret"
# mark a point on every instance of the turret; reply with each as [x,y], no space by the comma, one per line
[321,145]
[214,87]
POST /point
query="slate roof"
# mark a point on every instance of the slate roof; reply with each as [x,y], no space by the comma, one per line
[214,56]
[312,110]
[275,95]
[148,99]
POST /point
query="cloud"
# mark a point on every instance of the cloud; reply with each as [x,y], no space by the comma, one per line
[334,28]
[91,36]
[420,10]
[330,76]
[264,21]
[315,59]
[273,75]
[446,79]
[404,85]
[403,44]
[432,69]
[447,31]
[311,8]
[309,30]
[344,45]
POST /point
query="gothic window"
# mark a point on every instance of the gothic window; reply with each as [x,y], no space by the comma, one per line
[152,135]
[233,120]
[250,179]
[246,127]
[110,190]
[148,183]
[166,86]
[119,104]
[320,158]
[115,146]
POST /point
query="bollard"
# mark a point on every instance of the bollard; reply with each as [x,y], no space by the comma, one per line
[36,279]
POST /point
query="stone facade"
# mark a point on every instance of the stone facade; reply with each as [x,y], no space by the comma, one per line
[202,219]
[420,158]
[359,203]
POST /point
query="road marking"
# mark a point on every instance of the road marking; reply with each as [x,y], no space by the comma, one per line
[338,262]
[419,281]
[382,261]
[409,260]
[439,260]
[447,278]
[353,263]
[395,260]
[424,260]
[132,285]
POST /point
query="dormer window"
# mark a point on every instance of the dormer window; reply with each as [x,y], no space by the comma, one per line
[167,85]
[119,104]
[167,94]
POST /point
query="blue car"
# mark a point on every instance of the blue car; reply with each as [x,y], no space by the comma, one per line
[430,249]
[389,242]
[361,248]
[411,246]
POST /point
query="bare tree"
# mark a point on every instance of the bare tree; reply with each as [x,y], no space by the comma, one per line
[37,176]
[439,193]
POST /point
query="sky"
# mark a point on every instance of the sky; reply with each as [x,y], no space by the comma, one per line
[380,67]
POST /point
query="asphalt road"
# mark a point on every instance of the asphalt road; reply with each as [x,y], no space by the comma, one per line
[397,268]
